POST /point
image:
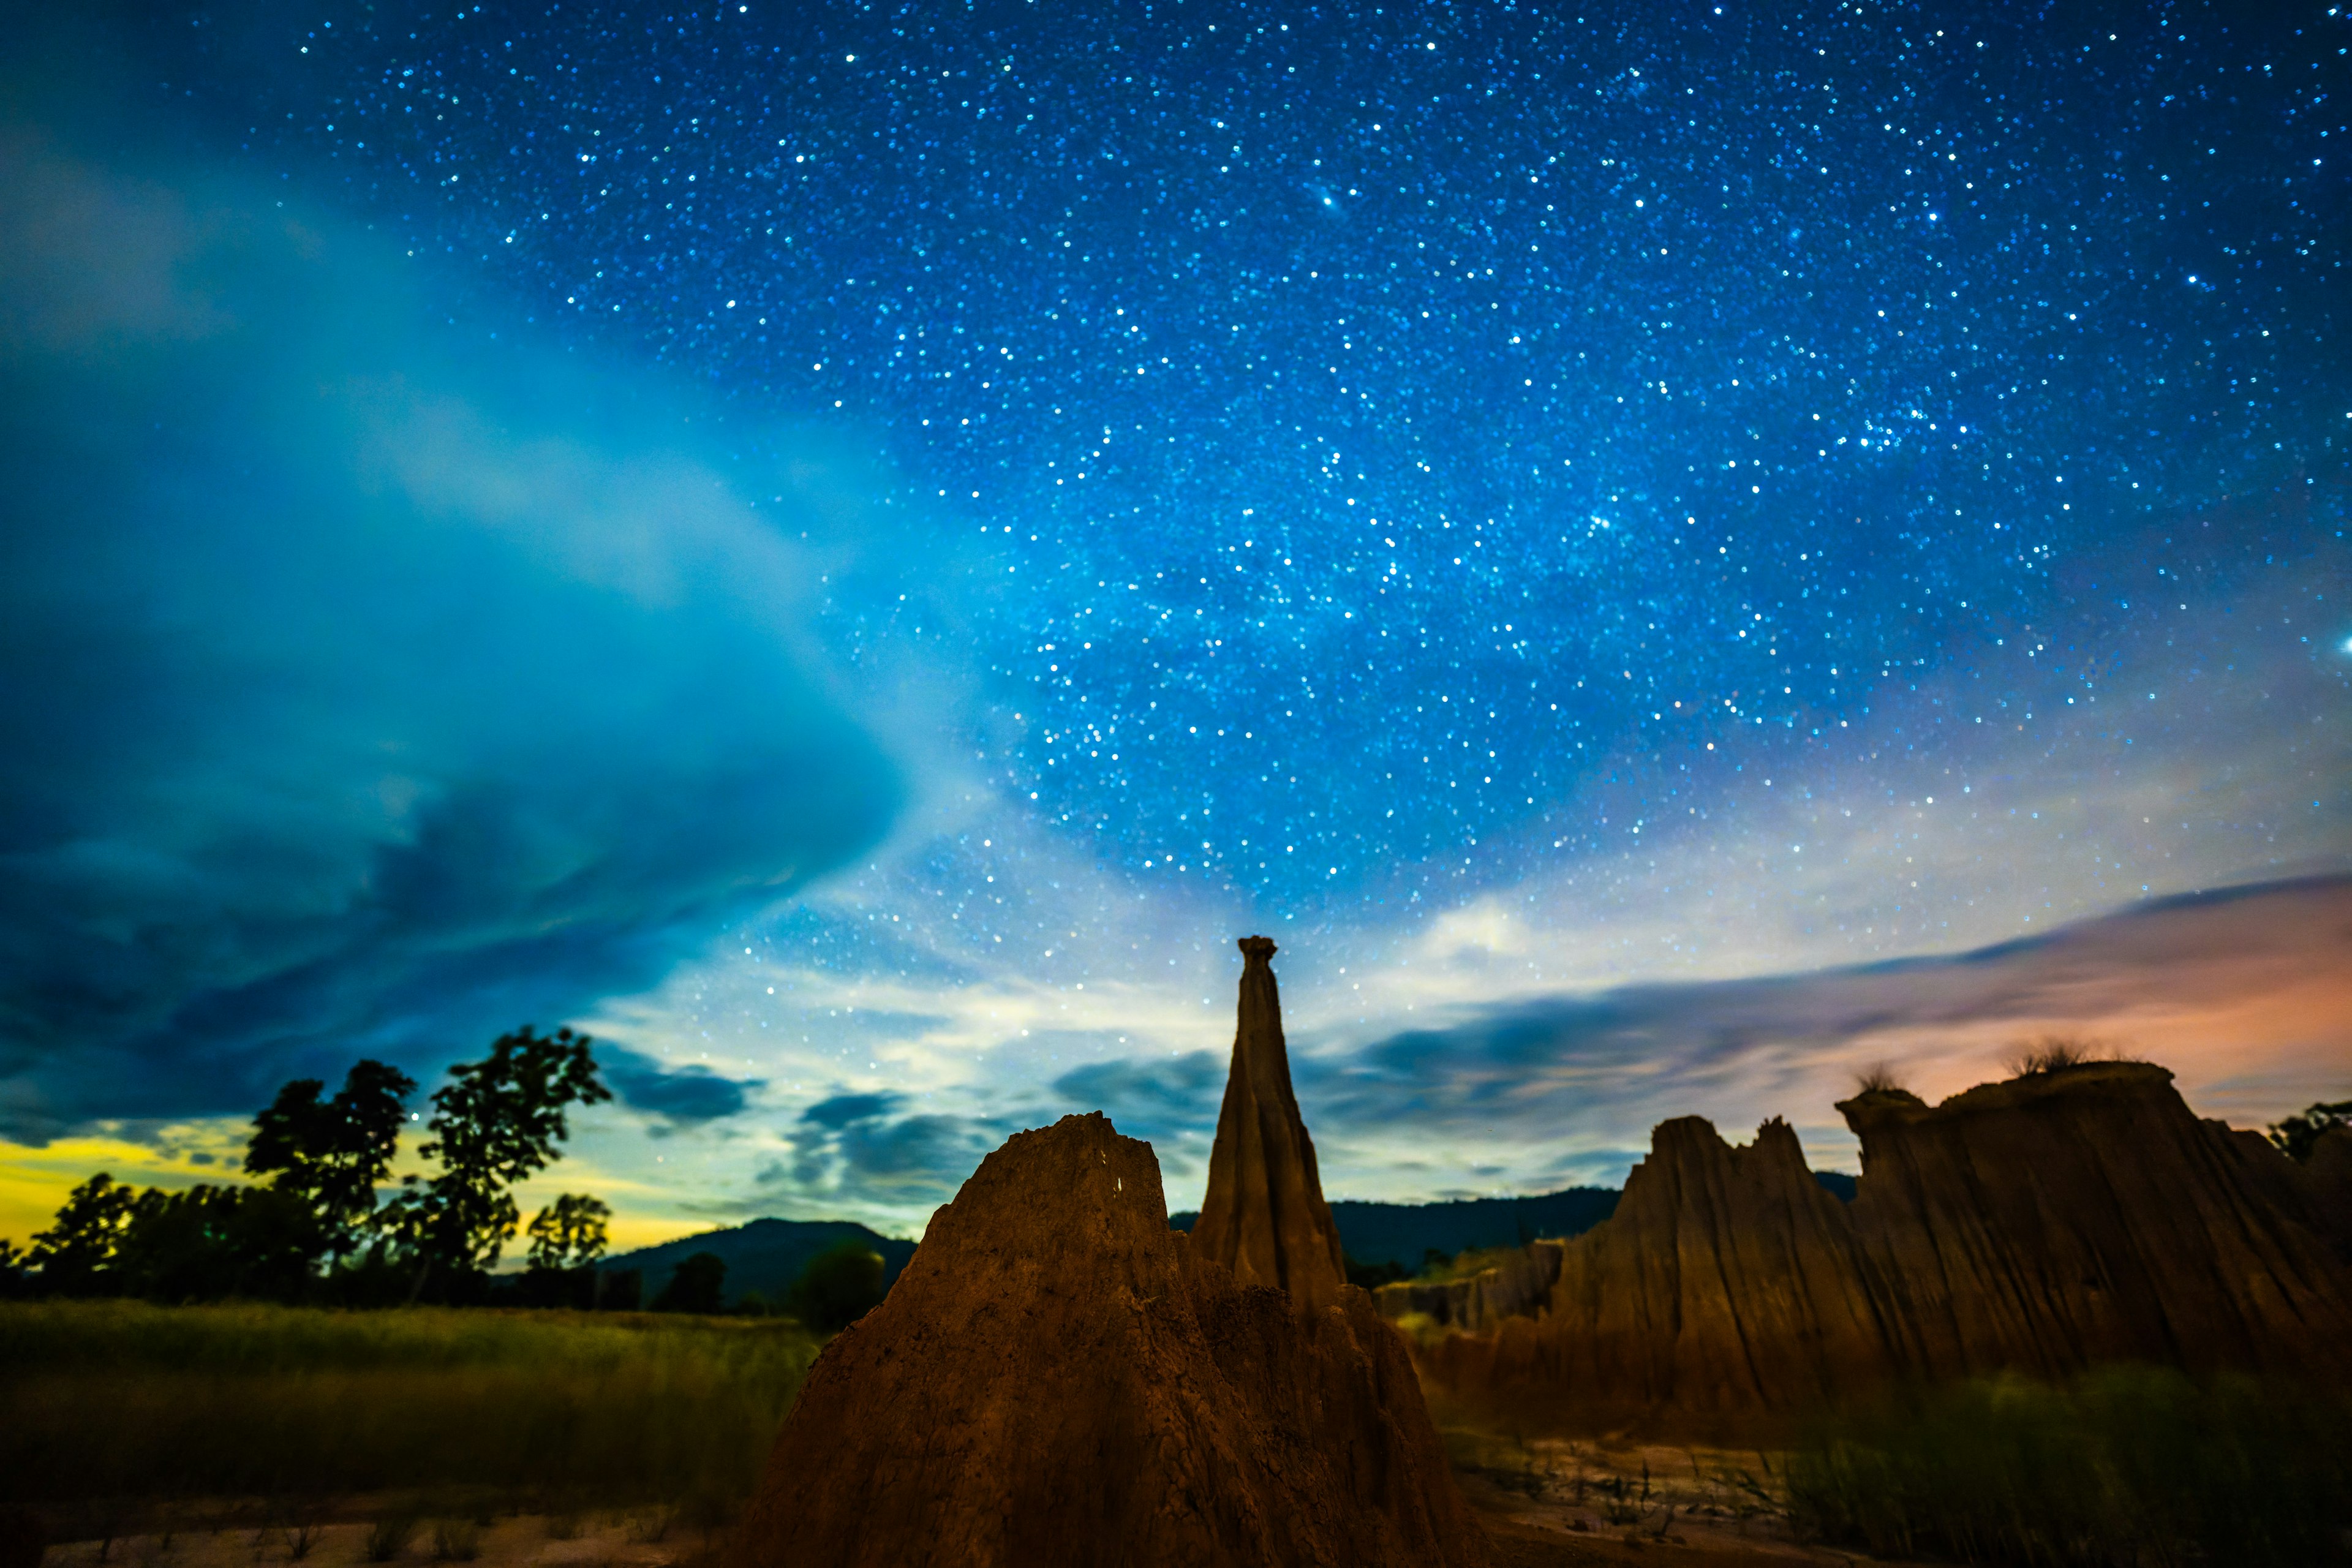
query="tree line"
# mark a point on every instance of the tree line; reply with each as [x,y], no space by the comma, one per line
[314,1224]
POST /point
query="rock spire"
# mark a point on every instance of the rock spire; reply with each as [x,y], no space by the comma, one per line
[1264,1217]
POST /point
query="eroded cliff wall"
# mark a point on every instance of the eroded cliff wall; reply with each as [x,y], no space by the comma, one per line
[2045,1225]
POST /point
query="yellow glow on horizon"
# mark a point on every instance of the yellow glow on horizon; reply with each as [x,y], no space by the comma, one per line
[34,1182]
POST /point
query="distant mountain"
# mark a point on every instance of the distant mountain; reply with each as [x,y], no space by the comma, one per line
[766,1254]
[1405,1233]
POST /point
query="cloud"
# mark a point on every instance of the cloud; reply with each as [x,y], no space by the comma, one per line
[686,1096]
[371,688]
[2241,991]
[852,1150]
[1149,1097]
[847,1110]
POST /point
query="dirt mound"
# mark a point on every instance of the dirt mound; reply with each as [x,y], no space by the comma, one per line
[1059,1378]
[1263,1215]
[2045,1226]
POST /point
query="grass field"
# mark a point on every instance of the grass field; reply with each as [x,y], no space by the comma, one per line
[2131,1467]
[550,1411]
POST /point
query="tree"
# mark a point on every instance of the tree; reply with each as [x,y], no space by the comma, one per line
[73,1255]
[494,1122]
[697,1286]
[2297,1136]
[839,1286]
[569,1233]
[204,1243]
[332,1154]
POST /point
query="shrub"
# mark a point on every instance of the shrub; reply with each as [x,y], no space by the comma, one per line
[698,1285]
[840,1285]
[2297,1136]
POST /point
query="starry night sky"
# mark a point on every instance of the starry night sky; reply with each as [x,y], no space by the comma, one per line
[1532,504]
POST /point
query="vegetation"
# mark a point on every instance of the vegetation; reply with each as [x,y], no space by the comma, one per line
[1879,1078]
[105,1400]
[496,1122]
[697,1285]
[570,1233]
[1439,1270]
[2129,1466]
[2298,1135]
[331,1157]
[315,1231]
[2054,1053]
[840,1285]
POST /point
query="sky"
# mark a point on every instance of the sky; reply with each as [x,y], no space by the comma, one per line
[1668,554]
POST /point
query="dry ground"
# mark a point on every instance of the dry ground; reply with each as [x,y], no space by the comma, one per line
[1549,1501]
[643,1538]
[1545,1503]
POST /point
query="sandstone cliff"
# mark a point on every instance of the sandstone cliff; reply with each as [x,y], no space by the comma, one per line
[1059,1378]
[2045,1225]
[2085,1216]
[1263,1215]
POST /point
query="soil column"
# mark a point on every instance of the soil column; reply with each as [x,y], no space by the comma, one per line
[1264,1217]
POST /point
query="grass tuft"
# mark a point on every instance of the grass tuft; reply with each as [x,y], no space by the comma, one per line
[1879,1078]
[388,1537]
[2055,1052]
[455,1540]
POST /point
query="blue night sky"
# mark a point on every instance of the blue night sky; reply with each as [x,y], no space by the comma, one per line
[1664,552]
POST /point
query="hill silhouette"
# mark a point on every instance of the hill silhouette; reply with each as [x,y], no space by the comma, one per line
[765,1255]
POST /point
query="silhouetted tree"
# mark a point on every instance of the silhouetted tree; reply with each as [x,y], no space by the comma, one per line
[198,1244]
[569,1233]
[2298,1135]
[332,1154]
[204,1243]
[73,1254]
[839,1286]
[567,1236]
[697,1286]
[494,1122]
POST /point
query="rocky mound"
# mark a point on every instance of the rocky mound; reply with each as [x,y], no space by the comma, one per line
[1263,1215]
[1057,1377]
[2045,1225]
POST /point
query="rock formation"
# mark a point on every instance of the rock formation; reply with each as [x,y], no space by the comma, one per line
[2044,1225]
[1057,1377]
[1514,1282]
[2085,1216]
[1263,1216]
